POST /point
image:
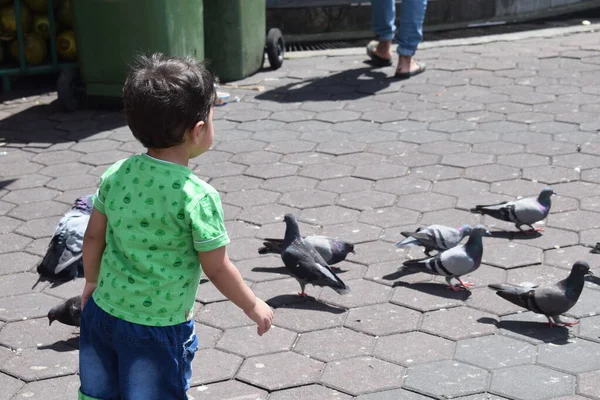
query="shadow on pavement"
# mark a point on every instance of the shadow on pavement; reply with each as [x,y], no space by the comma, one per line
[535,330]
[302,303]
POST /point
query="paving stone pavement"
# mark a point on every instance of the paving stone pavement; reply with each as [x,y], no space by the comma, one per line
[361,157]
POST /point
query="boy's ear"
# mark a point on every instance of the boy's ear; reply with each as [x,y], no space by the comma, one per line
[197,131]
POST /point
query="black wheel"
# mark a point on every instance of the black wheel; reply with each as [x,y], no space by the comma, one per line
[275,48]
[68,90]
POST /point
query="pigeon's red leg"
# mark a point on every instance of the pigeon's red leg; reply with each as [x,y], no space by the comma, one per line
[550,322]
[568,324]
[454,288]
[302,294]
[465,284]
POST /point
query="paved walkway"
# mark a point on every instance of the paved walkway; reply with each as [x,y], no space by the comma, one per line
[358,156]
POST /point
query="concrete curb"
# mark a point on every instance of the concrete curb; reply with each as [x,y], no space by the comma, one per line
[505,37]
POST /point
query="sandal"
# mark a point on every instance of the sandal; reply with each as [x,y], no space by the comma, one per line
[375,59]
[406,75]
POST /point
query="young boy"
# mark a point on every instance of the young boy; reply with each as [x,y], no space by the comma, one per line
[155,227]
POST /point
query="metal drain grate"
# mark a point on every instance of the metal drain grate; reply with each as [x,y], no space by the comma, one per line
[315,46]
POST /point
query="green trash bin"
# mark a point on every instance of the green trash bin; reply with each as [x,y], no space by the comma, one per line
[234,32]
[110,33]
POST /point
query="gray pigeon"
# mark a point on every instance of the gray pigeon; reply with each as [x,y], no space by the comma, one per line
[525,211]
[332,250]
[552,300]
[305,263]
[62,261]
[68,312]
[455,262]
[435,237]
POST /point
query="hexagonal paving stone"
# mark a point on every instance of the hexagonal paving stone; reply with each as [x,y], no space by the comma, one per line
[590,203]
[487,300]
[354,232]
[426,202]
[511,255]
[38,210]
[307,198]
[328,215]
[280,371]
[26,306]
[207,336]
[403,186]
[531,382]
[588,384]
[56,157]
[246,343]
[258,157]
[309,392]
[30,195]
[578,189]
[10,386]
[339,148]
[290,146]
[326,171]
[550,174]
[8,224]
[576,356]
[446,379]
[17,262]
[517,188]
[265,214]
[223,366]
[289,184]
[474,137]
[491,172]
[382,319]
[460,187]
[268,171]
[34,333]
[228,390]
[393,395]
[437,172]
[51,389]
[582,161]
[376,375]
[35,364]
[222,315]
[388,217]
[498,148]
[366,200]
[413,348]
[309,316]
[235,183]
[362,293]
[334,344]
[427,296]
[575,220]
[413,160]
[532,328]
[15,284]
[251,197]
[345,185]
[450,217]
[444,147]
[457,323]
[359,159]
[467,159]
[494,351]
[380,171]
[588,304]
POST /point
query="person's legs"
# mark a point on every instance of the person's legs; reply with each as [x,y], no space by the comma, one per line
[97,359]
[155,363]
[410,33]
[383,18]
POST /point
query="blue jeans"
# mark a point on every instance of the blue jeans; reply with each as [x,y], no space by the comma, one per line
[120,360]
[410,33]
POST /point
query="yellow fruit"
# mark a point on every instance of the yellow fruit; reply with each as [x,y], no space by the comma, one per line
[65,46]
[41,26]
[64,14]
[35,49]
[40,6]
[8,19]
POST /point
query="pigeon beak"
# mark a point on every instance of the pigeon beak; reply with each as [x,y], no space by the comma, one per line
[590,273]
[352,251]
[488,233]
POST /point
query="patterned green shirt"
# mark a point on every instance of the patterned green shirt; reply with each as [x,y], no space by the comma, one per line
[160,215]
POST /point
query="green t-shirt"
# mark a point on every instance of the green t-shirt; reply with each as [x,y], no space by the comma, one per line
[160,215]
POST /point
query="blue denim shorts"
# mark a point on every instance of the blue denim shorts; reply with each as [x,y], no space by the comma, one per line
[120,360]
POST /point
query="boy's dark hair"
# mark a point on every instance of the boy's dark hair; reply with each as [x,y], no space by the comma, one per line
[165,96]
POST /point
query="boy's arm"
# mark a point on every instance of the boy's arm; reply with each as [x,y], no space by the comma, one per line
[94,242]
[228,280]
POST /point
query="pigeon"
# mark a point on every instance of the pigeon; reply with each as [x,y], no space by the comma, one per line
[63,261]
[454,262]
[68,312]
[305,263]
[525,211]
[435,237]
[332,250]
[551,300]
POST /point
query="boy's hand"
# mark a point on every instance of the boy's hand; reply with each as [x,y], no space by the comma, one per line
[88,289]
[262,314]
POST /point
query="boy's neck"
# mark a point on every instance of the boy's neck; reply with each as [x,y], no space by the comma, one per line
[175,154]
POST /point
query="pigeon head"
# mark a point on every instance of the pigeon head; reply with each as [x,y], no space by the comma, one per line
[466,230]
[51,317]
[292,231]
[581,268]
[345,247]
[545,194]
[480,230]
[84,203]
[289,218]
